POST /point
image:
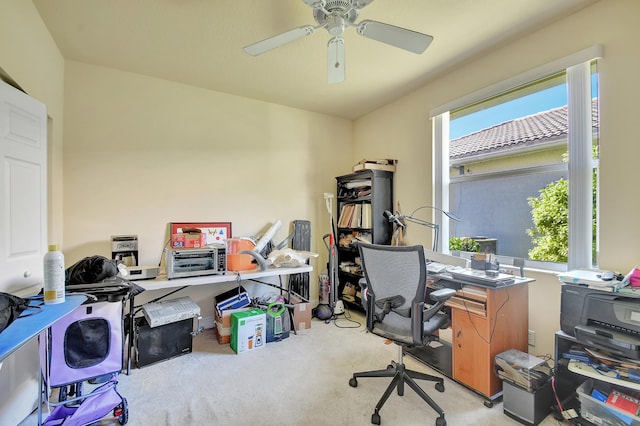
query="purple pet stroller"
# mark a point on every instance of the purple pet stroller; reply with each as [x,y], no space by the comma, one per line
[81,356]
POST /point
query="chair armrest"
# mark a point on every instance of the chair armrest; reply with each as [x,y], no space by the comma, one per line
[367,302]
[442,295]
[439,297]
[362,283]
[417,322]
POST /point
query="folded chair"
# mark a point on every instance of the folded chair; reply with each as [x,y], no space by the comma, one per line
[394,291]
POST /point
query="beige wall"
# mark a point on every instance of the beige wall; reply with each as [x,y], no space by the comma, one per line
[142,152]
[610,23]
[30,57]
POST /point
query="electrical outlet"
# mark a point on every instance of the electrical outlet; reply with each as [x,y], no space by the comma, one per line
[532,338]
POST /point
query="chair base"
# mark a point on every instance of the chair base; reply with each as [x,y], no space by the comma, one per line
[402,375]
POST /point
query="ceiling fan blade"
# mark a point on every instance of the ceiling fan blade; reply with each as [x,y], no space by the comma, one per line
[335,60]
[395,36]
[270,43]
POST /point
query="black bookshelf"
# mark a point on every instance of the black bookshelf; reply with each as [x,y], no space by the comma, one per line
[362,199]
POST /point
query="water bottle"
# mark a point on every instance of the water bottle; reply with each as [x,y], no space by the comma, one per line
[54,276]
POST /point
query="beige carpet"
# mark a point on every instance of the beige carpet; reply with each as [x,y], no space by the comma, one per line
[302,380]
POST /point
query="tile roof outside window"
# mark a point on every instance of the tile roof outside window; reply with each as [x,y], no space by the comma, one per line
[532,130]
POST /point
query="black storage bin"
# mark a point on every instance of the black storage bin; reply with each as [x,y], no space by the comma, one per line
[162,342]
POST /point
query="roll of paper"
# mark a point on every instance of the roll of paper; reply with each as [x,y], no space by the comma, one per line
[262,242]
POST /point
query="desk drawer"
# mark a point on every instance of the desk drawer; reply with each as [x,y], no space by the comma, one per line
[467,304]
[470,298]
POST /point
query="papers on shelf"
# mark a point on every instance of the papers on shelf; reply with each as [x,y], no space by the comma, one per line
[480,277]
[357,183]
[583,276]
[592,279]
[608,375]
[436,267]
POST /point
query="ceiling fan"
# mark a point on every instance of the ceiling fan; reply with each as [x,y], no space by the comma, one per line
[335,16]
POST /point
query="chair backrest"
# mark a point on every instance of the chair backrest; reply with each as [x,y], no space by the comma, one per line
[395,274]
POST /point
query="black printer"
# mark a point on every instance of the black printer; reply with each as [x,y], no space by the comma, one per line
[602,319]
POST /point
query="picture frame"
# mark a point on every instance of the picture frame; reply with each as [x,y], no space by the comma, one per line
[216,232]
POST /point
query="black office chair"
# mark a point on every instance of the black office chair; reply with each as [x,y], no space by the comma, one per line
[394,291]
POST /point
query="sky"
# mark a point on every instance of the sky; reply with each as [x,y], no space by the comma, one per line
[544,100]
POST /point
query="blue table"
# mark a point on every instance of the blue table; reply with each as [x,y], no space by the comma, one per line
[24,329]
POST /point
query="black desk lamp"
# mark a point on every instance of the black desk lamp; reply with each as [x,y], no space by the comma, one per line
[398,219]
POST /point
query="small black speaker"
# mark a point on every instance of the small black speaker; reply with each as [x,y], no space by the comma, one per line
[162,342]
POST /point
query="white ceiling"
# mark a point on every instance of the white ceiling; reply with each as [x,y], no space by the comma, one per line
[199,42]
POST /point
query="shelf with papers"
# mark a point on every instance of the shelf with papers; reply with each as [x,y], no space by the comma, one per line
[362,199]
[583,371]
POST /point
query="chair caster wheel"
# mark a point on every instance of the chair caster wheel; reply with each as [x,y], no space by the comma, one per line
[440,421]
[375,418]
[353,382]
[440,387]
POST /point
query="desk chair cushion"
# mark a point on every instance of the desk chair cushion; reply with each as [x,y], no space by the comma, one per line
[394,327]
[395,279]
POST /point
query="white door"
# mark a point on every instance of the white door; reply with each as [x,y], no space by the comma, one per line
[23,233]
[23,176]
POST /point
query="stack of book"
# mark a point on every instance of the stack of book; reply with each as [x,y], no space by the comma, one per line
[355,215]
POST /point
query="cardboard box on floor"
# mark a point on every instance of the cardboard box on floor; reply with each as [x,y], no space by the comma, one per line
[229,299]
[248,330]
[223,324]
[301,313]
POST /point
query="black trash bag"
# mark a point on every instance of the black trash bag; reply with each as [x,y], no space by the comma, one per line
[92,269]
[12,307]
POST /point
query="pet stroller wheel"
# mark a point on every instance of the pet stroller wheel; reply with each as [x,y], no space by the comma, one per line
[122,412]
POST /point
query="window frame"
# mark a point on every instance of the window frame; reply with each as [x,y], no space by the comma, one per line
[578,74]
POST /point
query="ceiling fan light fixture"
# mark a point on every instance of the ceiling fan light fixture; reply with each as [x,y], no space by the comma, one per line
[335,60]
[335,25]
[335,16]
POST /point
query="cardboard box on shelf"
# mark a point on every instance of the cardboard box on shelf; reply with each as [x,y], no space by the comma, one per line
[248,330]
[183,241]
[223,324]
[301,313]
[387,164]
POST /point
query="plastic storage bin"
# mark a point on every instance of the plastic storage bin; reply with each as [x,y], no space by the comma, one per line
[600,413]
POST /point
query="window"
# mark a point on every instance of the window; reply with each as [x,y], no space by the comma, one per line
[506,158]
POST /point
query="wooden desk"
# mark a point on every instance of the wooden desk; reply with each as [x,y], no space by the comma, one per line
[485,321]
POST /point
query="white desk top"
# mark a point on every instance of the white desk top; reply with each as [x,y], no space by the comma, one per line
[161,282]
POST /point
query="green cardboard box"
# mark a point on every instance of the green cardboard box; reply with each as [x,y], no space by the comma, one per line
[248,330]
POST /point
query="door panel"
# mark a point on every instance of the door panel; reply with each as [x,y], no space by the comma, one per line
[23,173]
